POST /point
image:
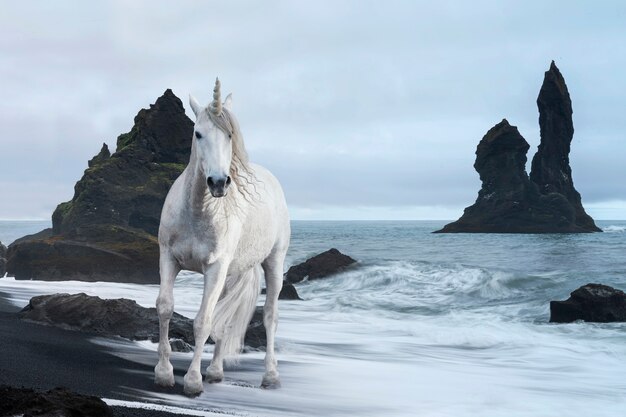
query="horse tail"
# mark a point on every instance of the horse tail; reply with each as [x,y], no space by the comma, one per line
[234,310]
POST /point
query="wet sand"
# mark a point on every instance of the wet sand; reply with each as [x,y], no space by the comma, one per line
[43,357]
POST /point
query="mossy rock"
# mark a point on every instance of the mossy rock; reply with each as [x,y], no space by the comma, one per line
[107,232]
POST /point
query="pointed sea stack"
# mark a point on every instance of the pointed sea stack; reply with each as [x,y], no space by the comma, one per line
[550,166]
[512,202]
[108,231]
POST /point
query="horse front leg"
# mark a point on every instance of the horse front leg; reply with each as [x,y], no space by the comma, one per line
[273,268]
[214,279]
[169,268]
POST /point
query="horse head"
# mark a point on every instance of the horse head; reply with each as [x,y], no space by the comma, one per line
[213,141]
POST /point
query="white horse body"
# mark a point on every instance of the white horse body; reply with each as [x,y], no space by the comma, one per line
[226,230]
[194,241]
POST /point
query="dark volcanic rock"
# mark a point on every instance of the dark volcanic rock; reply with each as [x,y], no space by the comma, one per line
[319,266]
[58,402]
[107,232]
[115,317]
[508,201]
[288,292]
[512,202]
[591,302]
[179,345]
[101,157]
[128,188]
[3,259]
[255,333]
[119,317]
[550,166]
[101,253]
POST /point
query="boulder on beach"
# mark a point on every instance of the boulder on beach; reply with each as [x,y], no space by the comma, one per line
[323,265]
[3,259]
[511,201]
[179,345]
[591,302]
[58,402]
[108,231]
[255,333]
[288,292]
[118,317]
[107,317]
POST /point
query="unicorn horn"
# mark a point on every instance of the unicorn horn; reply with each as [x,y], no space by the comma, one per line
[216,104]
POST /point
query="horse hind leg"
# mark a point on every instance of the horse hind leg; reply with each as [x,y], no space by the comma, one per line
[231,318]
[273,268]
[163,371]
[215,371]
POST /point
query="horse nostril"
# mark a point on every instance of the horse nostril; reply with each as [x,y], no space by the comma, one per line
[228,180]
[209,181]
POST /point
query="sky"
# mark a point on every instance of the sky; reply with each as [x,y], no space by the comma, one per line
[362,109]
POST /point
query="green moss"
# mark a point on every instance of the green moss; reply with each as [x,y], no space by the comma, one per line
[64,208]
[125,139]
[172,165]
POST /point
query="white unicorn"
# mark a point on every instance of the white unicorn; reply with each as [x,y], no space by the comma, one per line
[226,219]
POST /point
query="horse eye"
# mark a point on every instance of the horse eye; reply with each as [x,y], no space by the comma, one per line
[198,135]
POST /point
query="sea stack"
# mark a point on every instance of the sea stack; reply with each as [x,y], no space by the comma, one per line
[510,201]
[550,166]
[108,231]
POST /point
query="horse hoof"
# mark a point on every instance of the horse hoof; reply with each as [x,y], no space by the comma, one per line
[213,376]
[193,384]
[164,375]
[270,383]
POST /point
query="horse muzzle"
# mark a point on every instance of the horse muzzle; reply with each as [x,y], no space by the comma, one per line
[218,186]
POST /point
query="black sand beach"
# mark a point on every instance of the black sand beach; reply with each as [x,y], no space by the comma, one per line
[42,358]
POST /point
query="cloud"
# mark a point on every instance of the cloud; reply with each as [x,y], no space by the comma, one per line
[354,105]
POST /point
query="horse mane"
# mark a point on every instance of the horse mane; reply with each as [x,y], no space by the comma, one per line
[240,171]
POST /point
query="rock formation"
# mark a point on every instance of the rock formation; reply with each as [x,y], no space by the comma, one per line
[320,266]
[591,302]
[512,202]
[288,292]
[107,232]
[120,317]
[550,166]
[58,402]
[3,260]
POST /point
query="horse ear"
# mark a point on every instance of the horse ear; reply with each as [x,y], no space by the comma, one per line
[195,106]
[228,103]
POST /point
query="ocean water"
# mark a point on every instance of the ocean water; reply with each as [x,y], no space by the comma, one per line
[425,325]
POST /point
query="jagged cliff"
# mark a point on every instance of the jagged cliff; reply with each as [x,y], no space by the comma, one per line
[107,232]
[510,201]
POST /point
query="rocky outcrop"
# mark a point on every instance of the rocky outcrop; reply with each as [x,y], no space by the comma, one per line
[107,232]
[288,292]
[3,260]
[510,201]
[120,317]
[591,302]
[58,402]
[102,156]
[325,264]
[256,336]
[550,166]
[179,345]
[115,317]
